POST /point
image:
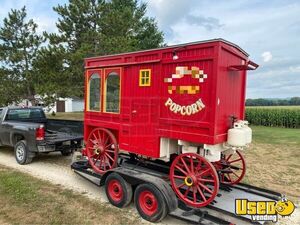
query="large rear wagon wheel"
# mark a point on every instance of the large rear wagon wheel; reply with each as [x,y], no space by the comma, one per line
[102,150]
[194,179]
[231,168]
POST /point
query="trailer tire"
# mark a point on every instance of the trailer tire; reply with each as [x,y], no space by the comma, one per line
[22,154]
[118,190]
[150,203]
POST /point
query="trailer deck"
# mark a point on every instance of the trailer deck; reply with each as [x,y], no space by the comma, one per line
[220,211]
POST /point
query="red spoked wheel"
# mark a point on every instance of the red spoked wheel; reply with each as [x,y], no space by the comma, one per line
[102,150]
[231,168]
[194,179]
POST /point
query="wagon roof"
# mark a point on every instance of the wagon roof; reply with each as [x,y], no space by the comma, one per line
[177,46]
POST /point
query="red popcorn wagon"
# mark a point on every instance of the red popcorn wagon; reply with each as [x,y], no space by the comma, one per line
[180,105]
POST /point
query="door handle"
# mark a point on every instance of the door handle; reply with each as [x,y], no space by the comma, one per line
[134,112]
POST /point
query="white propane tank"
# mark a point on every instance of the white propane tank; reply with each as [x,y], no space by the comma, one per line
[237,135]
[248,131]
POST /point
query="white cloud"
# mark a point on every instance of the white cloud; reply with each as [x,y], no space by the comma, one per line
[45,24]
[295,69]
[267,56]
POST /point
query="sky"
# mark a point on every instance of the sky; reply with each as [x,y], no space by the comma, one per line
[268,30]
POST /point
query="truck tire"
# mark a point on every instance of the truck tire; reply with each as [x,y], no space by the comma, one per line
[22,154]
[150,203]
[118,190]
[66,152]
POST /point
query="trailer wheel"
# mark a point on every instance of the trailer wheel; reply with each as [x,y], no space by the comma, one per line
[102,150]
[231,168]
[150,202]
[118,191]
[22,153]
[194,179]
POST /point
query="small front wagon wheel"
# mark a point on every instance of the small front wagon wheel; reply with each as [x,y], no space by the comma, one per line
[150,203]
[118,190]
[102,150]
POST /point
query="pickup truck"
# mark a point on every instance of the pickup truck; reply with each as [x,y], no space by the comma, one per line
[30,133]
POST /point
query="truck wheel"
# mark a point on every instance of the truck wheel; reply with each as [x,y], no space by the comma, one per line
[22,154]
[118,191]
[66,152]
[150,203]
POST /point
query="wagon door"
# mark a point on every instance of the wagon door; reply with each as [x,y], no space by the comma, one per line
[143,110]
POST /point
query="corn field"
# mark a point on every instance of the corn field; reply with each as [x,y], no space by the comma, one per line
[288,117]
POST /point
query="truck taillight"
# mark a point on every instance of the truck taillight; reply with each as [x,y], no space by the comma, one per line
[40,133]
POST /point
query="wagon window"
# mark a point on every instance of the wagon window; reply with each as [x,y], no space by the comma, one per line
[94,92]
[112,103]
[145,78]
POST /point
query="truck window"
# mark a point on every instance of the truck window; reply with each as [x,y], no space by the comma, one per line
[94,92]
[1,113]
[112,101]
[24,114]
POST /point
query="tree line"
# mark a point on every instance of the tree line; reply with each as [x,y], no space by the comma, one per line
[273,102]
[51,65]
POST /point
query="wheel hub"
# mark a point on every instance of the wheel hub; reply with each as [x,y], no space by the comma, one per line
[20,152]
[99,150]
[148,202]
[190,180]
[115,190]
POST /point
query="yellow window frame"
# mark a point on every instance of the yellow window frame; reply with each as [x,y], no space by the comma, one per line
[145,75]
[90,73]
[105,88]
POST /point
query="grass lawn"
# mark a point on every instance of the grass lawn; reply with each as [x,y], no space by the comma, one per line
[28,200]
[276,135]
[273,160]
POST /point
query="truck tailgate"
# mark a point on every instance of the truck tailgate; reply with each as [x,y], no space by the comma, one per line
[55,137]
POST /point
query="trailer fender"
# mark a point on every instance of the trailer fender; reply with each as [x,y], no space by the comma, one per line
[136,177]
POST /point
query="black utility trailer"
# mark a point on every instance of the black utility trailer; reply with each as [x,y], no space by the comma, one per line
[155,173]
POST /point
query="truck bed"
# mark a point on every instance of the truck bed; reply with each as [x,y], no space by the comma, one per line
[63,130]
